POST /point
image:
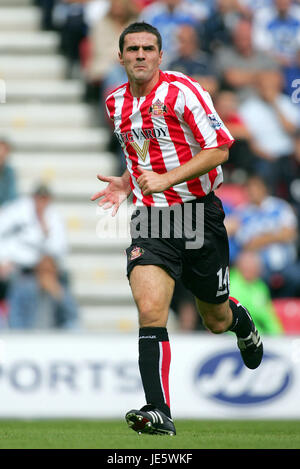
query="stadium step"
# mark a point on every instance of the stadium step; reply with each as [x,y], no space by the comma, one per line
[24,18]
[88,241]
[116,318]
[109,318]
[94,295]
[92,230]
[51,165]
[51,169]
[87,215]
[15,3]
[100,280]
[35,67]
[60,139]
[33,42]
[64,189]
[55,115]
[43,91]
[104,270]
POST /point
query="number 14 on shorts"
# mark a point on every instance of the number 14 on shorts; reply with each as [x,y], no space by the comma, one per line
[223,281]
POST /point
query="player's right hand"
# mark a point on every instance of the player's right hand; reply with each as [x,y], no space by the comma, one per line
[113,195]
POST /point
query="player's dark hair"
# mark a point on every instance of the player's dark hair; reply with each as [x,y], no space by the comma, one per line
[140,28]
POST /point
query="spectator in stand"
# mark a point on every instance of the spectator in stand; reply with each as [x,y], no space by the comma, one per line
[272,119]
[167,16]
[268,226]
[250,7]
[238,65]
[102,37]
[216,30]
[192,61]
[103,43]
[32,247]
[277,30]
[93,9]
[8,184]
[241,156]
[232,224]
[288,177]
[68,18]
[246,285]
[47,11]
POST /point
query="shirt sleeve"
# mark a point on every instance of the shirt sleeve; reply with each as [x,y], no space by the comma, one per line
[109,107]
[206,125]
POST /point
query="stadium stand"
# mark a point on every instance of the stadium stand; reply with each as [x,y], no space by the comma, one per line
[56,140]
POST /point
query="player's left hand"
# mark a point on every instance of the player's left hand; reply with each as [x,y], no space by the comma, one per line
[151,182]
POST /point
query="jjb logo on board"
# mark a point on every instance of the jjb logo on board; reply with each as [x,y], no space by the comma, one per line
[223,378]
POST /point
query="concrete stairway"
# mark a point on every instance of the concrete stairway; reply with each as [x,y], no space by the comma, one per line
[56,140]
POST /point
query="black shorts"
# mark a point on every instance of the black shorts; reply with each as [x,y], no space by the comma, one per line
[163,237]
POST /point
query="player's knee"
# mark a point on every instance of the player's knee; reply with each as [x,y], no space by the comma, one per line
[151,315]
[217,319]
[216,326]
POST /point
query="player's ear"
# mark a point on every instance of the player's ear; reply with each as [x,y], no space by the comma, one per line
[160,57]
[121,58]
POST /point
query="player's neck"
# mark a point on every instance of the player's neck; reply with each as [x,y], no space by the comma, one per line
[138,90]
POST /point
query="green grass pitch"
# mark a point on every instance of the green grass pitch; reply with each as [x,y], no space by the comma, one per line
[114,434]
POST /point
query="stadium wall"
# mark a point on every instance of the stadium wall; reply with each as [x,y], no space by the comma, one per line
[96,376]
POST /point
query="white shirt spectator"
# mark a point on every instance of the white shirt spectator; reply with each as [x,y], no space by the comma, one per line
[265,126]
[22,239]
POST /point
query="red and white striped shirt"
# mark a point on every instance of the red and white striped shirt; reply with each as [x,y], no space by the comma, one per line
[164,130]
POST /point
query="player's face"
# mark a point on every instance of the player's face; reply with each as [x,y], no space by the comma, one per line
[141,56]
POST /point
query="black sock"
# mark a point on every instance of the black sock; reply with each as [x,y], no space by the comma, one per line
[241,321]
[154,364]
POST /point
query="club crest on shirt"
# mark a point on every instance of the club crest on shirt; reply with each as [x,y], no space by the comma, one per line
[158,108]
[135,253]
